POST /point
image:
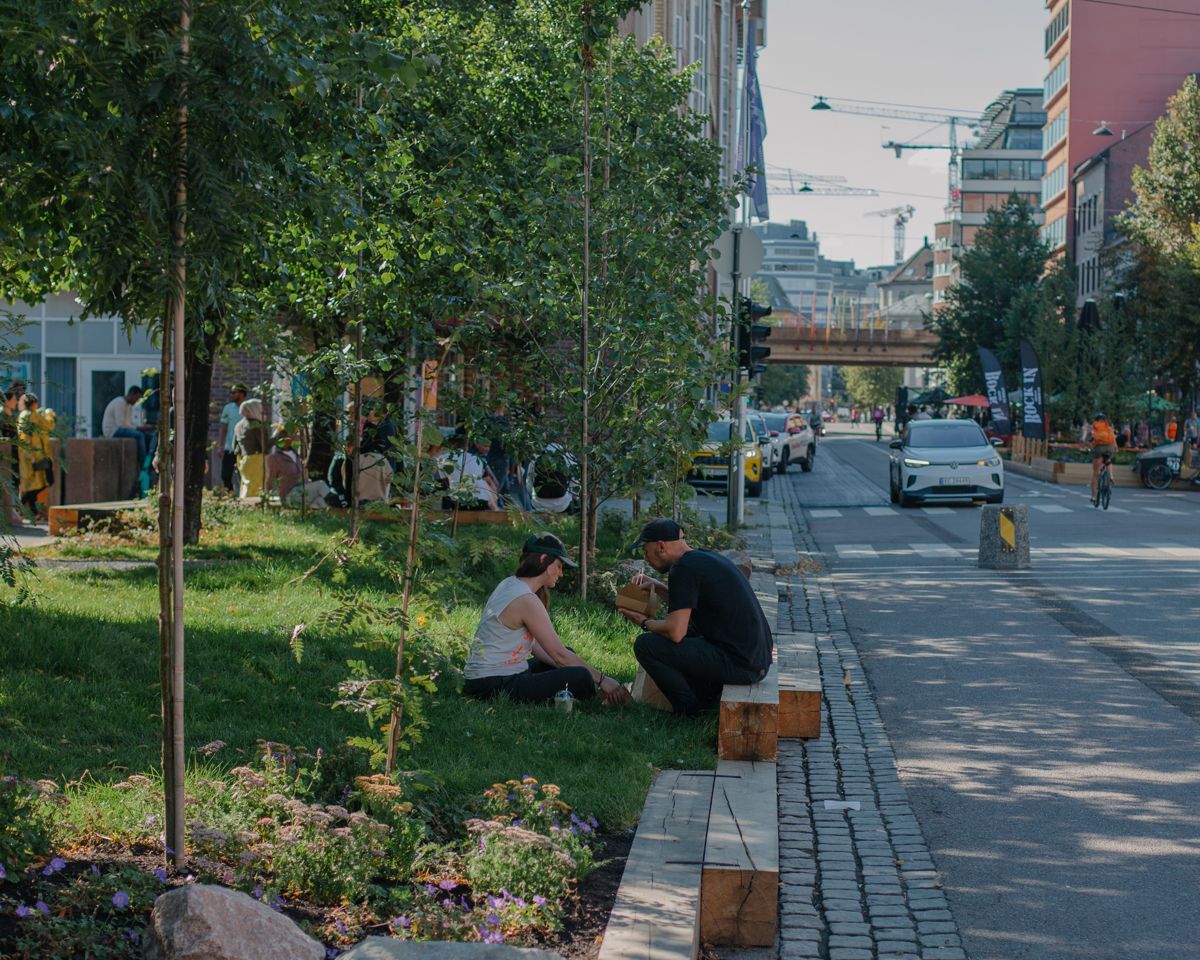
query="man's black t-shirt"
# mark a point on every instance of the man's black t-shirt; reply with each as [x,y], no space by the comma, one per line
[725,611]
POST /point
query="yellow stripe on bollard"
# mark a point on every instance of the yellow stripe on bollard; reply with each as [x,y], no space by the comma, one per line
[1008,532]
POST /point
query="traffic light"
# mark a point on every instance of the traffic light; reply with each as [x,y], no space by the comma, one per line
[750,336]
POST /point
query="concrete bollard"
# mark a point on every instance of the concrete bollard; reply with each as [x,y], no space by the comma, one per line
[1004,538]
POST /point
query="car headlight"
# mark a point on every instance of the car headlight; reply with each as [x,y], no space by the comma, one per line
[913,462]
[749,453]
[989,462]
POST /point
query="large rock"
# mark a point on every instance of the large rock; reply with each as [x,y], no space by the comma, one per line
[202,922]
[383,948]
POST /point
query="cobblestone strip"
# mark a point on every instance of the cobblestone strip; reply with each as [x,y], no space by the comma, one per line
[856,878]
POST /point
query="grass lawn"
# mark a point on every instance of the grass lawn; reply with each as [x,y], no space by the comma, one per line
[79,686]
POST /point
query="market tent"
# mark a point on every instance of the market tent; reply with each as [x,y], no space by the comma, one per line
[970,400]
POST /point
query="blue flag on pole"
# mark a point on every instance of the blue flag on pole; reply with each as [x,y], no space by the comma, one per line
[756,120]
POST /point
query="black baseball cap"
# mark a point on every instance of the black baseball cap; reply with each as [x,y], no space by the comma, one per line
[549,544]
[658,531]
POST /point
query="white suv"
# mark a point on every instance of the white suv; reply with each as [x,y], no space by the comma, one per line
[791,433]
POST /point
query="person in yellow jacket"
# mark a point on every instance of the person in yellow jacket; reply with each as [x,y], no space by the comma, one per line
[34,430]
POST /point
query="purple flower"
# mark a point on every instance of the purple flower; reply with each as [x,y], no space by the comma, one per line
[120,899]
[447,885]
[41,907]
[95,870]
[278,903]
[256,893]
[23,911]
[494,936]
[133,936]
[505,894]
[539,900]
[402,921]
[58,863]
[161,873]
[340,927]
[495,902]
[519,902]
[331,952]
[3,872]
[518,822]
[492,920]
[430,888]
[593,823]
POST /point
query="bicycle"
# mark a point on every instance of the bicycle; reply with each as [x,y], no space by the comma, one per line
[1104,483]
[878,430]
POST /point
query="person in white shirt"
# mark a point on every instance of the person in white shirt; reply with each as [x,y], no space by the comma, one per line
[472,486]
[123,418]
[230,415]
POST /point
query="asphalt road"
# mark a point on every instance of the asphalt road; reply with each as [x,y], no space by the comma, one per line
[1046,721]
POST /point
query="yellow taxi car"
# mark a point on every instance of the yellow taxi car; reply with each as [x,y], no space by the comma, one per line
[710,466]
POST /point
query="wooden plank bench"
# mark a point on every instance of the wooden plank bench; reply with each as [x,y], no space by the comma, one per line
[656,915]
[748,719]
[799,686]
[71,516]
[739,893]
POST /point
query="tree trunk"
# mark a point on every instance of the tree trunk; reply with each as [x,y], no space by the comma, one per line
[198,372]
[585,485]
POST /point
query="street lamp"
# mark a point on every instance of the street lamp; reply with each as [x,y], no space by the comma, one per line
[1102,130]
[821,104]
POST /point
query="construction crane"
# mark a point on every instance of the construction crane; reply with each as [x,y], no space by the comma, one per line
[902,215]
[785,180]
[954,120]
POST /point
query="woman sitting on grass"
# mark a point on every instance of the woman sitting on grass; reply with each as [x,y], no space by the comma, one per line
[516,649]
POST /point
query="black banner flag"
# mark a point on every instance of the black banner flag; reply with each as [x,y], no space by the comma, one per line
[997,392]
[1033,409]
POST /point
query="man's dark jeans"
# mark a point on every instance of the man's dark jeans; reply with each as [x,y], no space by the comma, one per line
[690,673]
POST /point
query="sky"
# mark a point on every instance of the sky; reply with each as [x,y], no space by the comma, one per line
[949,54]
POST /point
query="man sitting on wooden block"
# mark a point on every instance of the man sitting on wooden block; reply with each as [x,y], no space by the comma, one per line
[714,632]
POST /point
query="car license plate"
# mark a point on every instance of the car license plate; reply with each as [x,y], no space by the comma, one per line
[710,473]
[955,481]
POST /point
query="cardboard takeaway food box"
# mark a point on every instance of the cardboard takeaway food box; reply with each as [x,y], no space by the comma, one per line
[637,600]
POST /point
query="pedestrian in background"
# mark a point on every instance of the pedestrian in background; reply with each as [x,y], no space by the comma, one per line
[10,468]
[1191,428]
[254,443]
[1172,430]
[34,429]
[230,415]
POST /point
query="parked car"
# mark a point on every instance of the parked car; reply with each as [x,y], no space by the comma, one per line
[944,460]
[794,438]
[710,465]
[771,450]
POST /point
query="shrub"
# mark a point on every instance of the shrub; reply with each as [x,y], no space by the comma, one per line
[24,831]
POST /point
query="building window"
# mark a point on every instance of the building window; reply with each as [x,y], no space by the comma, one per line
[989,169]
[1054,183]
[1058,26]
[1056,79]
[1055,234]
[1023,138]
[1055,131]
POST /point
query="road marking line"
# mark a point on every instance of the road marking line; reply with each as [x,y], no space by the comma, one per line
[1051,508]
[1166,511]
[935,550]
[856,551]
[1175,550]
[824,514]
[880,511]
[936,510]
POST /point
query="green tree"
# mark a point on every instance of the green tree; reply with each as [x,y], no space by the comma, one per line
[783,383]
[872,386]
[1008,258]
[1166,211]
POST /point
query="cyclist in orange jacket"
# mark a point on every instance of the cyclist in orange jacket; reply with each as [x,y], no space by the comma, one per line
[1104,446]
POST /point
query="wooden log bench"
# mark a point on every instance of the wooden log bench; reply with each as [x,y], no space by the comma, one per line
[739,892]
[748,719]
[80,516]
[799,686]
[656,915]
